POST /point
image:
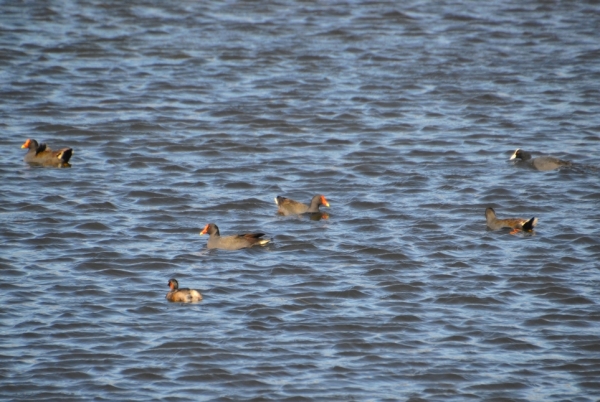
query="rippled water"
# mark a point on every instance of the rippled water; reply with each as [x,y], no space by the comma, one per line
[402,115]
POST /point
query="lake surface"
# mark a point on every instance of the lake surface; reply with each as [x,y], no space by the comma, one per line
[403,115]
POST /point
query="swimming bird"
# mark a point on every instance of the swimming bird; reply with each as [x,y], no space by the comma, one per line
[40,154]
[290,207]
[514,223]
[541,163]
[233,242]
[182,295]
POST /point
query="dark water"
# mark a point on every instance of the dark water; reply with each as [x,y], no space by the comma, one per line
[402,115]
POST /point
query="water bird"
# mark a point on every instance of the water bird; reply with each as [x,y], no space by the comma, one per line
[288,206]
[182,295]
[232,242]
[541,163]
[41,154]
[516,224]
